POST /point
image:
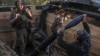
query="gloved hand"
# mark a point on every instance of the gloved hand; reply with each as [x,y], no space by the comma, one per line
[84,18]
[60,30]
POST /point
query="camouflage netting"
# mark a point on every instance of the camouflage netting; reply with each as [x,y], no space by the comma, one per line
[5,50]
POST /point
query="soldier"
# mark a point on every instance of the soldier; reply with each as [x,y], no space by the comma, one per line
[82,44]
[30,27]
[19,21]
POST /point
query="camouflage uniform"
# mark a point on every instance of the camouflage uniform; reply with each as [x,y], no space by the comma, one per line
[21,41]
[21,32]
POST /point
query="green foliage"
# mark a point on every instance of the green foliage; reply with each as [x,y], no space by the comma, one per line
[27,2]
[35,2]
[7,2]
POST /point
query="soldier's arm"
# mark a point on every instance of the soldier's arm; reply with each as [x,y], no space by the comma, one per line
[13,19]
[85,24]
[86,27]
[29,12]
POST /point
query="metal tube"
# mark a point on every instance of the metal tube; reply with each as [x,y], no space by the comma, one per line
[44,44]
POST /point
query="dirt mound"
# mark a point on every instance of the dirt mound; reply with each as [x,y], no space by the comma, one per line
[5,50]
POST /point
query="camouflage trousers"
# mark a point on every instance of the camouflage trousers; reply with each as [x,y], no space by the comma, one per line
[21,41]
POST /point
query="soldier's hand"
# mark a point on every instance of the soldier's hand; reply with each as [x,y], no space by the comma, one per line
[84,18]
[60,30]
[17,15]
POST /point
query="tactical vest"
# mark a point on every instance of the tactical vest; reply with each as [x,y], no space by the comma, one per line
[21,22]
